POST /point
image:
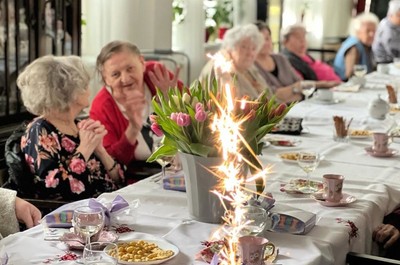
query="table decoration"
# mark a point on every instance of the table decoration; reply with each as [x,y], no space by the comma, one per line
[116,211]
[185,118]
[341,131]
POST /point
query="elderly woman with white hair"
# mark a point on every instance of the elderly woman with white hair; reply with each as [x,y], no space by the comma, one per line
[240,46]
[356,49]
[386,45]
[66,156]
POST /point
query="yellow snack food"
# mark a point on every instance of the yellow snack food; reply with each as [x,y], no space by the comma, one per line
[140,251]
[289,156]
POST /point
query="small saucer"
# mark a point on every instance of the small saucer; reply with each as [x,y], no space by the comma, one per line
[74,241]
[390,152]
[346,199]
[326,102]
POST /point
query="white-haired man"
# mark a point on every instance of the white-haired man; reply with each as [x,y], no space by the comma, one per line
[386,45]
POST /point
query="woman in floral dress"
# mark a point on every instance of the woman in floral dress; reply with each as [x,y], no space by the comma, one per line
[66,156]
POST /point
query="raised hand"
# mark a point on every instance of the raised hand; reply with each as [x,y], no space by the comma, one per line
[161,79]
[134,106]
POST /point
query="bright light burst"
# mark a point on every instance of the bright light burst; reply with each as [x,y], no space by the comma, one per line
[231,173]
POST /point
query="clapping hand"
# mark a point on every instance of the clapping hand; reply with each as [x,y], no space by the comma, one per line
[161,79]
[91,134]
[134,106]
[386,234]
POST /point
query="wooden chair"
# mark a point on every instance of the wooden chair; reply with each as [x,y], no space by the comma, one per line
[353,258]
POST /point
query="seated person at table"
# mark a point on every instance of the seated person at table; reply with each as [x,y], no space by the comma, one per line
[386,44]
[66,156]
[356,49]
[276,69]
[240,46]
[14,210]
[388,234]
[295,43]
[123,105]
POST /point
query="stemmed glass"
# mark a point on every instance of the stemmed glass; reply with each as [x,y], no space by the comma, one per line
[308,161]
[360,70]
[253,220]
[103,253]
[307,88]
[88,222]
[164,161]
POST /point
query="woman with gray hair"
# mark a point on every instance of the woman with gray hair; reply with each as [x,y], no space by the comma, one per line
[66,156]
[240,46]
[356,49]
[386,45]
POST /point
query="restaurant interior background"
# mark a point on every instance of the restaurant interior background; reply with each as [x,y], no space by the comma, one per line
[182,37]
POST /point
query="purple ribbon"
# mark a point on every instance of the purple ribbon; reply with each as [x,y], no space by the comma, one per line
[117,204]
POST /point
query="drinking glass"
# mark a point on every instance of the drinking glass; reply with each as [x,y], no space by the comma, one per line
[308,161]
[164,161]
[360,70]
[88,222]
[253,220]
[100,253]
[307,88]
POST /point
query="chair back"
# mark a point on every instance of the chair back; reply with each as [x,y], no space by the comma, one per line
[364,259]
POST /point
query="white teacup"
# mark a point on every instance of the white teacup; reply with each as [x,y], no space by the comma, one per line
[382,68]
[324,94]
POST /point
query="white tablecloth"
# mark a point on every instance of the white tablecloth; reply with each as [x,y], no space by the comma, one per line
[375,182]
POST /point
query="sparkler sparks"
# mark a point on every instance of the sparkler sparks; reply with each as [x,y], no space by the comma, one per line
[232,172]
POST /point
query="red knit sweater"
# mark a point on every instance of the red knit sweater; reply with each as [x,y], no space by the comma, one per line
[105,110]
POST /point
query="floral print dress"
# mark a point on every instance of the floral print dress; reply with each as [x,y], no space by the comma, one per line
[60,171]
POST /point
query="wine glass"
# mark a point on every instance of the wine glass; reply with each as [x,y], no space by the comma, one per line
[253,220]
[307,88]
[164,160]
[104,253]
[308,161]
[359,70]
[88,221]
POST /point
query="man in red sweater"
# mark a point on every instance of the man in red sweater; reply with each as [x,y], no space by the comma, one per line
[123,105]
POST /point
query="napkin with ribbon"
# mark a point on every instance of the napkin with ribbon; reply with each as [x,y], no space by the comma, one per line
[174,180]
[116,207]
[61,219]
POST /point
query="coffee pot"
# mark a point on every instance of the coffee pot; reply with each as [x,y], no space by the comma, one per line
[378,108]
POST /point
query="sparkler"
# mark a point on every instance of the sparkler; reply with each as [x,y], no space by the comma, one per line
[232,179]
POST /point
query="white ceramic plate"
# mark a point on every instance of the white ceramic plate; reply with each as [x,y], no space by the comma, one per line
[283,142]
[324,102]
[360,134]
[164,245]
[289,157]
[296,186]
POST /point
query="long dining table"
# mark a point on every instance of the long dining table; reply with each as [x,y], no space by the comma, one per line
[373,181]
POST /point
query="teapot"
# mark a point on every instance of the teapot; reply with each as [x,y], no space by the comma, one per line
[378,108]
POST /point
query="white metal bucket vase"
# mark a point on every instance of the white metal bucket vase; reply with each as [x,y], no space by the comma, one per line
[203,205]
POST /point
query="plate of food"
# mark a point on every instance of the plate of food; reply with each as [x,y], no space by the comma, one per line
[295,186]
[290,157]
[282,141]
[145,251]
[360,134]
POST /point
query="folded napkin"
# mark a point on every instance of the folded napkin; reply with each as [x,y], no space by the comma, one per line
[59,220]
[347,88]
[174,181]
[116,205]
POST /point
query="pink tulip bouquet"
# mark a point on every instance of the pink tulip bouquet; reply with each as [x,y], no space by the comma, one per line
[185,116]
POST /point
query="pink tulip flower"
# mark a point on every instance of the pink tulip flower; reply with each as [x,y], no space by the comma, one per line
[183,119]
[156,129]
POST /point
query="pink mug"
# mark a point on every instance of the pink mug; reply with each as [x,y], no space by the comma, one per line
[252,250]
[333,187]
[381,142]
